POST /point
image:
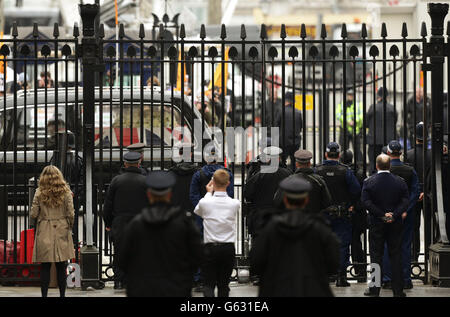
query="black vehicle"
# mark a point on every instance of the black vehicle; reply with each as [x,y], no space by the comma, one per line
[118,124]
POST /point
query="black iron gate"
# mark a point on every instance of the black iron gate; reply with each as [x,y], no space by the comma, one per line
[114,92]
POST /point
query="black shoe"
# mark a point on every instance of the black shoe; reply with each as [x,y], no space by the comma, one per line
[408,285]
[401,294]
[342,282]
[256,282]
[371,292]
[387,285]
[118,285]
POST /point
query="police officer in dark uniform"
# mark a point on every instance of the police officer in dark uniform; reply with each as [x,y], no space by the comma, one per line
[260,189]
[319,196]
[296,251]
[409,175]
[345,190]
[161,248]
[138,148]
[254,166]
[125,198]
[359,221]
[415,158]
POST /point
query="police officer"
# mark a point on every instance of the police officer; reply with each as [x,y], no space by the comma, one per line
[138,148]
[125,198]
[260,189]
[296,251]
[409,175]
[353,124]
[161,248]
[319,196]
[385,196]
[345,190]
[415,158]
[254,166]
[359,221]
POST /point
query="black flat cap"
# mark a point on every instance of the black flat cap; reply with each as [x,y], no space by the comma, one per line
[295,187]
[137,147]
[132,157]
[419,131]
[160,182]
[333,147]
[303,156]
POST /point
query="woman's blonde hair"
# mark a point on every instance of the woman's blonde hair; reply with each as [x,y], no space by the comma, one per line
[53,187]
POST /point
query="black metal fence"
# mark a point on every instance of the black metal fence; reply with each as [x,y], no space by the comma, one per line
[113,92]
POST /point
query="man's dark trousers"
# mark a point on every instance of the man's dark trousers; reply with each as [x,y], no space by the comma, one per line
[217,268]
[407,236]
[390,233]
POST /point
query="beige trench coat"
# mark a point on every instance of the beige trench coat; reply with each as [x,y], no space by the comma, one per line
[53,240]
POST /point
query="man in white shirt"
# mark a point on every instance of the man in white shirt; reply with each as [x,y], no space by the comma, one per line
[219,212]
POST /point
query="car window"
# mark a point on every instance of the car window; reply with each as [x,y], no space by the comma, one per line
[131,123]
[28,131]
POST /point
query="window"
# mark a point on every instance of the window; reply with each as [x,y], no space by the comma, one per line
[131,123]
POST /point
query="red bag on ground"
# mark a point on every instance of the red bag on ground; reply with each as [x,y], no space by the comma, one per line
[28,248]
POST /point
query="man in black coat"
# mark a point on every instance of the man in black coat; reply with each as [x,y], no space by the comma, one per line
[297,251]
[162,247]
[386,197]
[184,172]
[375,135]
[125,198]
[414,112]
[292,126]
[414,157]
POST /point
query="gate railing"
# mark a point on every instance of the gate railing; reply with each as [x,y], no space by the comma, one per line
[162,87]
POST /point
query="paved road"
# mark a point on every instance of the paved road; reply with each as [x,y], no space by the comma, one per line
[237,290]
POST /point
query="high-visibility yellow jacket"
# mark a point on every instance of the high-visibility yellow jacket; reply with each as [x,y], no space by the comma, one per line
[350,116]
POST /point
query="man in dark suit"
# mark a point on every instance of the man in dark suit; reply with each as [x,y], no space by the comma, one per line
[292,126]
[375,135]
[386,197]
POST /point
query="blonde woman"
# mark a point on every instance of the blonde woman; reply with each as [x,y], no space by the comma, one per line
[54,213]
